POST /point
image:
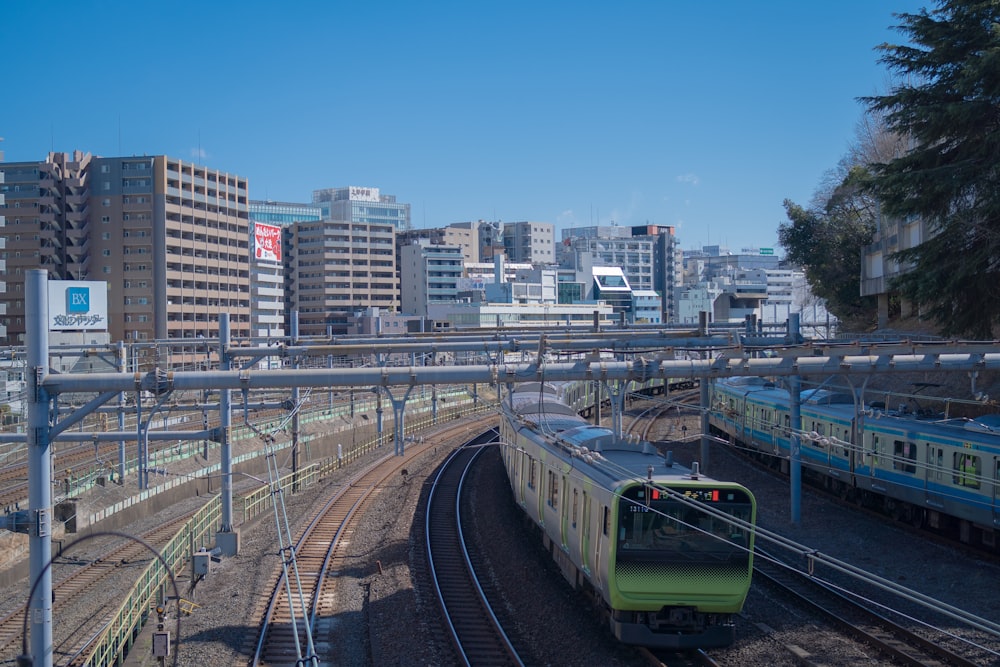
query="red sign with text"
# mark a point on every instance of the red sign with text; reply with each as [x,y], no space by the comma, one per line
[267,242]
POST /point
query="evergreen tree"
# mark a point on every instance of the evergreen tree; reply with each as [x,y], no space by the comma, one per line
[948,106]
[826,241]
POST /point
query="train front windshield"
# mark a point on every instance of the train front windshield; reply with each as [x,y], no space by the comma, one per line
[652,525]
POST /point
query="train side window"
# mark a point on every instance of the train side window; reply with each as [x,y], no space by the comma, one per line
[788,421]
[576,505]
[903,455]
[607,521]
[553,490]
[532,475]
[967,468]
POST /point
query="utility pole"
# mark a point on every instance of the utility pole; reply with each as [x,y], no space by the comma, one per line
[39,467]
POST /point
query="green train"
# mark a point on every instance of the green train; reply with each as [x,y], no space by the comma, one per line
[666,552]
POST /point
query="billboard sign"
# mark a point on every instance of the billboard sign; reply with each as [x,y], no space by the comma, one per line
[76,305]
[363,194]
[266,242]
[470,284]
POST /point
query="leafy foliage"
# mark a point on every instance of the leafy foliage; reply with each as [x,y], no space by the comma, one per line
[949,107]
[826,241]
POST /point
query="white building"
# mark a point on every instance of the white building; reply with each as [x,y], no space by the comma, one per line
[729,299]
[428,274]
[268,220]
[530,242]
[499,315]
[525,297]
[647,307]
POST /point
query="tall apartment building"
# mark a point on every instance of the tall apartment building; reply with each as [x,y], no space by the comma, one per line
[429,274]
[531,242]
[362,204]
[668,263]
[649,255]
[171,239]
[633,254]
[464,235]
[336,268]
[878,270]
[269,219]
[3,241]
[595,232]
[489,235]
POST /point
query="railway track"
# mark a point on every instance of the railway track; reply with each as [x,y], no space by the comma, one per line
[891,639]
[476,633]
[80,588]
[652,413]
[307,593]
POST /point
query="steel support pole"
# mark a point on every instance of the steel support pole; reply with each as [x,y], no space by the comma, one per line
[398,416]
[39,467]
[795,442]
[225,424]
[122,454]
[795,448]
[296,396]
[616,398]
[705,425]
[227,539]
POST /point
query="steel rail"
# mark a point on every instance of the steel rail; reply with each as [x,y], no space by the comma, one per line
[476,633]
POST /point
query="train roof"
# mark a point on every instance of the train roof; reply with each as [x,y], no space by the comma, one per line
[613,462]
[763,388]
[539,403]
[984,429]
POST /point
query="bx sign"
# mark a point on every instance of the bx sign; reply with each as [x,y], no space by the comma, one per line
[78,305]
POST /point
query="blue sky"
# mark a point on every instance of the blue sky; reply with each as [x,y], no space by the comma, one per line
[701,115]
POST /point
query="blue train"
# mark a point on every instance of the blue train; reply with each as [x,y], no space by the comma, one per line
[666,552]
[939,473]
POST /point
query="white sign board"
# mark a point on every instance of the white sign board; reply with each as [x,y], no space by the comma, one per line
[363,194]
[76,305]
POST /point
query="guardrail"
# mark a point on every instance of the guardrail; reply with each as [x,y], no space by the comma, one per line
[121,632]
[123,628]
